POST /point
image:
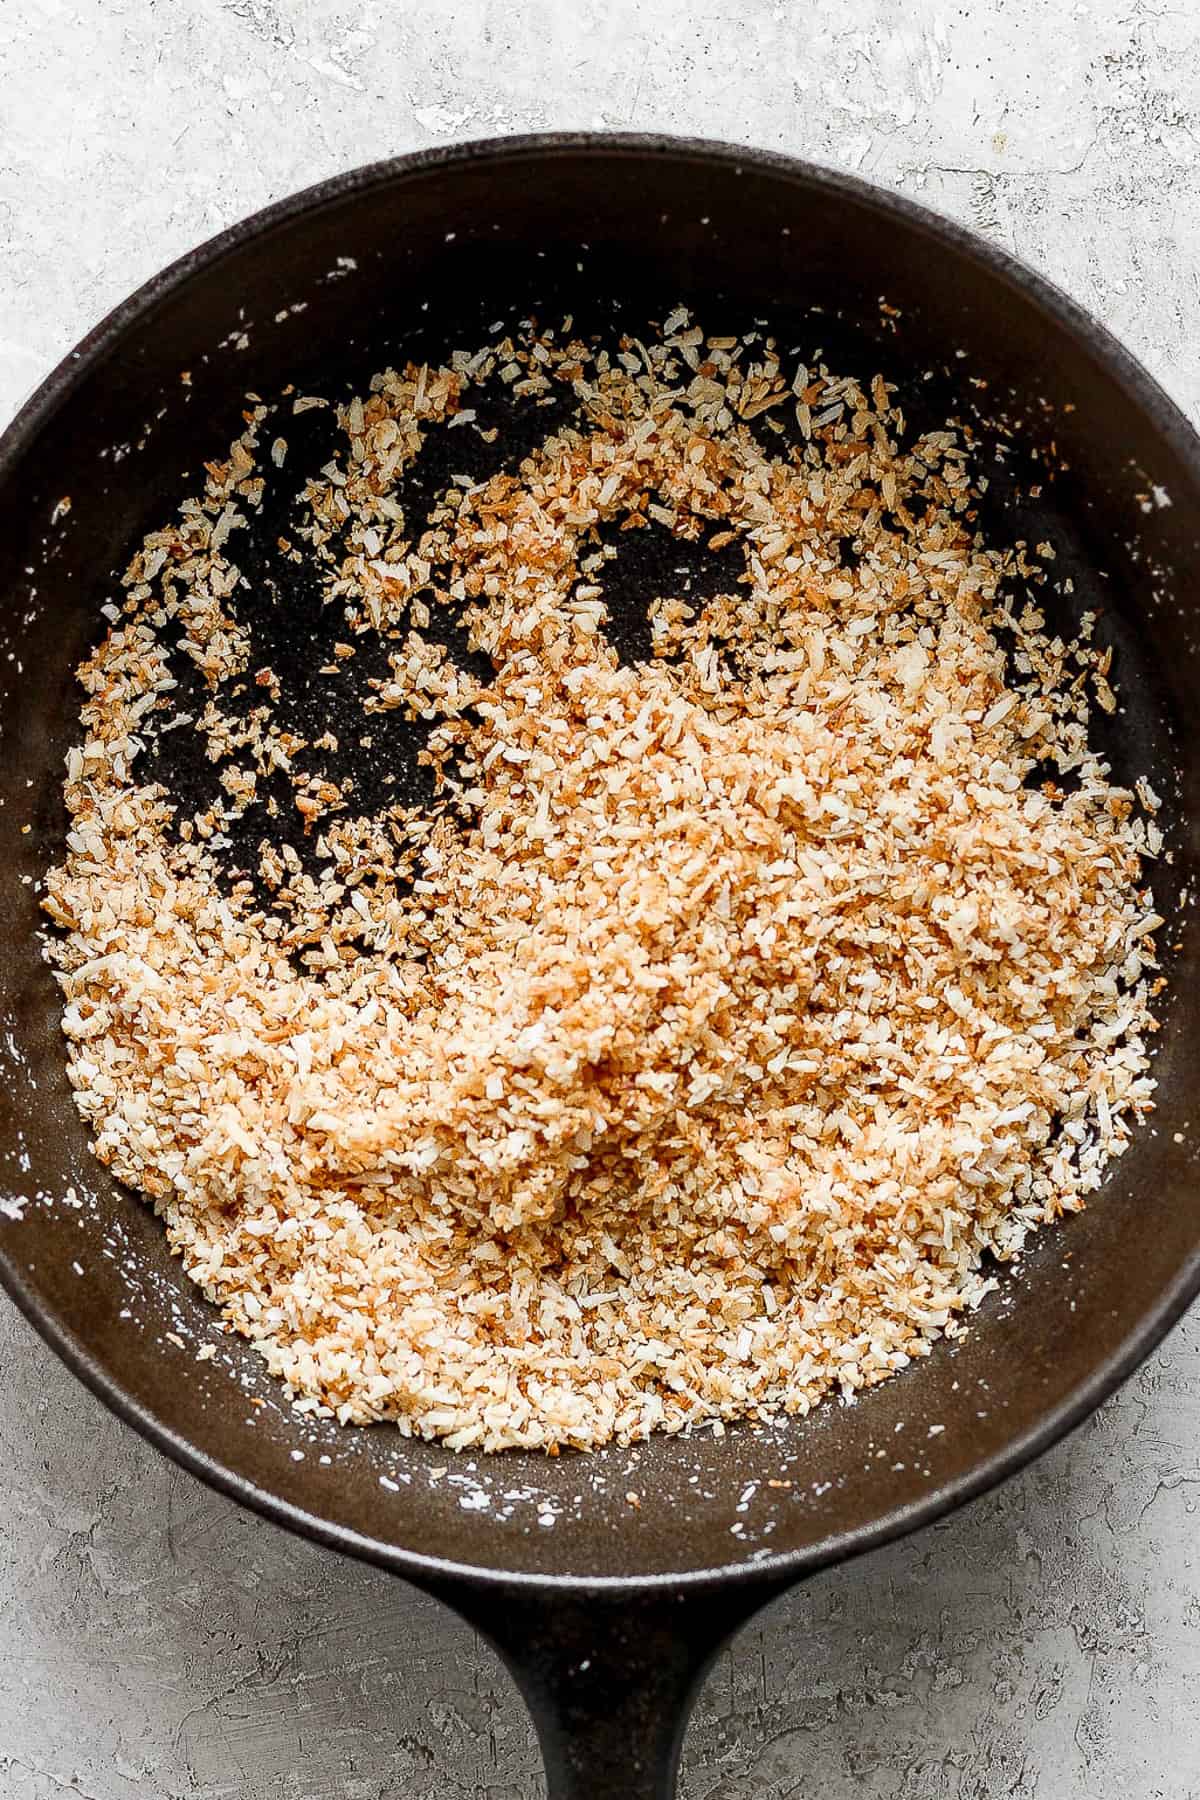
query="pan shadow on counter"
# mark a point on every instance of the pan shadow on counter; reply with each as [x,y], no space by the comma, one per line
[160,1640]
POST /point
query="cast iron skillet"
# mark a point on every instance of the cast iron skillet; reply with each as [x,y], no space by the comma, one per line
[607,1609]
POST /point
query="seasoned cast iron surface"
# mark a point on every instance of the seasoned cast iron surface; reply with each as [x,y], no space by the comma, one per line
[610,234]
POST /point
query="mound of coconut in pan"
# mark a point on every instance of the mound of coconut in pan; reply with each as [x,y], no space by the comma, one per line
[682,1048]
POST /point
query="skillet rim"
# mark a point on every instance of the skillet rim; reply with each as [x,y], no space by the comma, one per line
[774,1571]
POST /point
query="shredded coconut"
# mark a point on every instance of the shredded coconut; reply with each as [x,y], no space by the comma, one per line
[686,1054]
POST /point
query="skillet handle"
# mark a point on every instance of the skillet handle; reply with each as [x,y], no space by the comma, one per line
[609,1679]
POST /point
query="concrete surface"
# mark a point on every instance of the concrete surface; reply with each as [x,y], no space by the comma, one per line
[153,1640]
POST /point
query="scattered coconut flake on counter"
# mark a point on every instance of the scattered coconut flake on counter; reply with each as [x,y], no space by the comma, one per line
[684,1056]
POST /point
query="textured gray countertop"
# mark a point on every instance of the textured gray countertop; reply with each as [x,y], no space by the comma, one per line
[155,1641]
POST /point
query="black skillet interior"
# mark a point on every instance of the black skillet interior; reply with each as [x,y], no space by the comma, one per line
[419,259]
